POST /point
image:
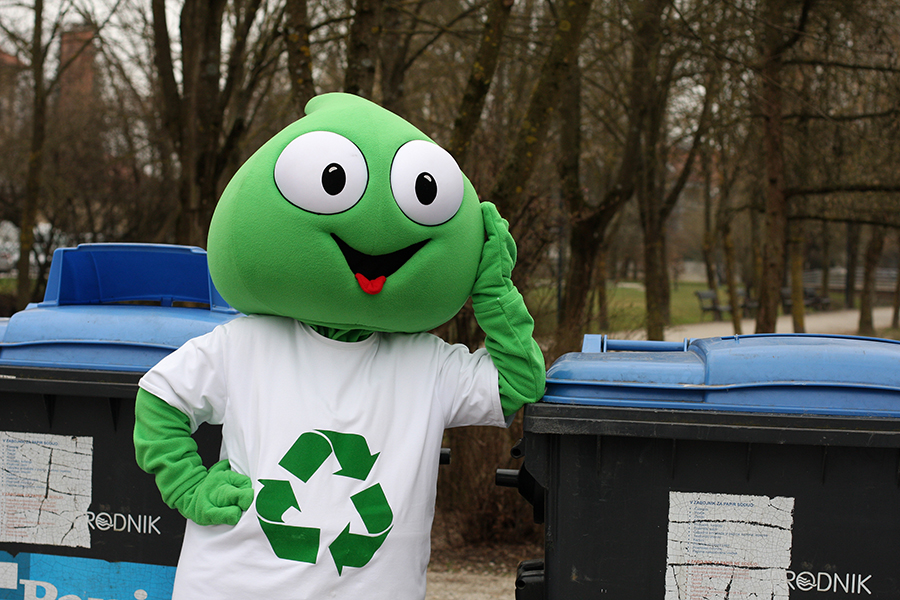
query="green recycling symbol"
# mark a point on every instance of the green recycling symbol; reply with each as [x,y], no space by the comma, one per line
[302,460]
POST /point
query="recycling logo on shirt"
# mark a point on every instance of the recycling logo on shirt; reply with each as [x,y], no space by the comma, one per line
[302,460]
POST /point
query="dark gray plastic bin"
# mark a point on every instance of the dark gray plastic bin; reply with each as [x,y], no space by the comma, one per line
[78,518]
[744,467]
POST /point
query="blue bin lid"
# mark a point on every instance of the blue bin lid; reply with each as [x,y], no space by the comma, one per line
[772,373]
[115,307]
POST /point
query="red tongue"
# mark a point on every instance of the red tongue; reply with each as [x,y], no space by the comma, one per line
[370,287]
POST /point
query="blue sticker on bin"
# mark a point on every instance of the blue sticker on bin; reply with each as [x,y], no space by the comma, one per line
[47,577]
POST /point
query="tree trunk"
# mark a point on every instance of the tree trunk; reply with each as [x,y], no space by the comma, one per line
[586,240]
[665,283]
[826,259]
[601,299]
[853,231]
[296,36]
[774,45]
[583,238]
[652,228]
[467,494]
[654,281]
[895,314]
[204,192]
[397,30]
[477,508]
[731,279]
[588,223]
[867,298]
[773,249]
[194,117]
[754,273]
[798,307]
[35,160]
[724,216]
[709,229]
[649,101]
[654,202]
[362,48]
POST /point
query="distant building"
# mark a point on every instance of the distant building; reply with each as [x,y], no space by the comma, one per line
[77,85]
[11,69]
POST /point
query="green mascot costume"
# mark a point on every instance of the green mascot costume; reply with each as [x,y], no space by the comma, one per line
[343,239]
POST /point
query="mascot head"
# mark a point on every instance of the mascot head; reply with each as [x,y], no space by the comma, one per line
[349,218]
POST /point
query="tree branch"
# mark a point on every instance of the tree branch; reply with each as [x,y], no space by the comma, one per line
[843,118]
[442,29]
[234,71]
[841,65]
[702,125]
[528,144]
[480,77]
[856,188]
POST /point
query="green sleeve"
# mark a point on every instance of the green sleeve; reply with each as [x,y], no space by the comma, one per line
[508,331]
[164,448]
[501,312]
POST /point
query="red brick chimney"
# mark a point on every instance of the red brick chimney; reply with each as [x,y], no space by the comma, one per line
[77,53]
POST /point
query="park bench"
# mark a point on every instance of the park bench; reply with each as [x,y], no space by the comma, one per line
[811,300]
[748,305]
[709,304]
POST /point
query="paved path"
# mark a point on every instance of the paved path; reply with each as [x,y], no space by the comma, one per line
[461,585]
[833,321]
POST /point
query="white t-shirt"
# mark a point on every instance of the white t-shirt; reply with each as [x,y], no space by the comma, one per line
[305,417]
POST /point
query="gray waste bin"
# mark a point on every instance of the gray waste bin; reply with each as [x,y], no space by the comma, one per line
[78,518]
[763,466]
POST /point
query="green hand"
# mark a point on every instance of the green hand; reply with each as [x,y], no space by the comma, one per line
[219,499]
[498,257]
[164,447]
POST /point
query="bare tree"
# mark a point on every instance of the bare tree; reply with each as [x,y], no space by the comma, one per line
[874,248]
[35,157]
[777,37]
[656,206]
[37,48]
[589,219]
[208,114]
[508,190]
[837,90]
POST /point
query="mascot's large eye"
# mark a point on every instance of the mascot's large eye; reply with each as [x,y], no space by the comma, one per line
[322,172]
[426,182]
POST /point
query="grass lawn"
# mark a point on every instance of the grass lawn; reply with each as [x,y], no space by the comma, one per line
[627,306]
[891,334]
[8,285]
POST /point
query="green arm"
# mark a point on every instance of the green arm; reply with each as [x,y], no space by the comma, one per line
[164,447]
[500,311]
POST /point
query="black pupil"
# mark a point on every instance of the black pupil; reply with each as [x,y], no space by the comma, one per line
[426,188]
[334,179]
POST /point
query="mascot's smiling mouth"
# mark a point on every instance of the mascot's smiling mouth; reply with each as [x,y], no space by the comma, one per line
[370,270]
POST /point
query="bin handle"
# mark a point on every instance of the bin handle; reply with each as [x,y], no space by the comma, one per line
[601,343]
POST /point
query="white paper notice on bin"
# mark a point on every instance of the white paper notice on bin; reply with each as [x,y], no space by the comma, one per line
[45,491]
[728,546]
